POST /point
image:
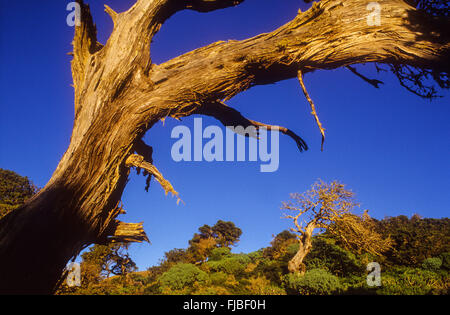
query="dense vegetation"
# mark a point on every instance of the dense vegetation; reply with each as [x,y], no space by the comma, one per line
[417,263]
[14,191]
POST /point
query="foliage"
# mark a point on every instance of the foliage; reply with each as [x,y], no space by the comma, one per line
[263,286]
[222,234]
[219,254]
[413,281]
[329,256]
[331,268]
[182,277]
[358,234]
[313,282]
[235,264]
[14,191]
[319,206]
[432,263]
[445,257]
[101,262]
[415,239]
[111,259]
[327,206]
[280,245]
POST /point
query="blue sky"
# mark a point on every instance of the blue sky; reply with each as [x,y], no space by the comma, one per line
[389,146]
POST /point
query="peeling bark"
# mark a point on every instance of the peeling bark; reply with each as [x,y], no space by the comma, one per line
[120,94]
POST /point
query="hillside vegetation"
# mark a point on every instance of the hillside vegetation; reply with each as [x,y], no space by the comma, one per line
[414,255]
[418,263]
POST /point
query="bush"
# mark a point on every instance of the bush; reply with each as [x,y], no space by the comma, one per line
[234,265]
[314,282]
[292,249]
[329,256]
[432,263]
[15,190]
[271,269]
[182,277]
[445,260]
[412,281]
[263,286]
[219,253]
[256,256]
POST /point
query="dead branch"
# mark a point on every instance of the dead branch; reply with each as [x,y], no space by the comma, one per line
[313,107]
[121,232]
[138,161]
[230,117]
[375,83]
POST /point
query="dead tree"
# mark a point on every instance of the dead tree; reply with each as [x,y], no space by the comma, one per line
[318,208]
[120,94]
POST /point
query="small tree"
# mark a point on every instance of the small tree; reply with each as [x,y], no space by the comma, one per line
[328,206]
[102,261]
[322,205]
[227,234]
[222,234]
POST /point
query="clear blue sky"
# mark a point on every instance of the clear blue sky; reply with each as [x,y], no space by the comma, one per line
[389,146]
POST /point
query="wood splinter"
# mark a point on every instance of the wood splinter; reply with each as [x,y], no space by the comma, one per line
[138,161]
[122,232]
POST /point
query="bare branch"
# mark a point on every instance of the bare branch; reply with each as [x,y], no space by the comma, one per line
[313,107]
[210,5]
[230,117]
[149,16]
[345,38]
[375,83]
[113,14]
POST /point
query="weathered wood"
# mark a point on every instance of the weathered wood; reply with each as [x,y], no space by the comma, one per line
[120,94]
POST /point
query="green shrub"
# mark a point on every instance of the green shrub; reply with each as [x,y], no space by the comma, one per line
[234,265]
[313,282]
[219,253]
[182,276]
[445,260]
[256,256]
[413,281]
[271,269]
[432,263]
[292,249]
[14,191]
[329,256]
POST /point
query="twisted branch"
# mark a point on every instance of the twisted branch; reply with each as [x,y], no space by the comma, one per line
[313,107]
[230,117]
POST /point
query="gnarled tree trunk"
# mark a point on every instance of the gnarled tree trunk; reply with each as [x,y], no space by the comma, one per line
[120,94]
[296,263]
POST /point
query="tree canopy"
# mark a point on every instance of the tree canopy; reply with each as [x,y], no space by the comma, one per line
[331,268]
[14,191]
